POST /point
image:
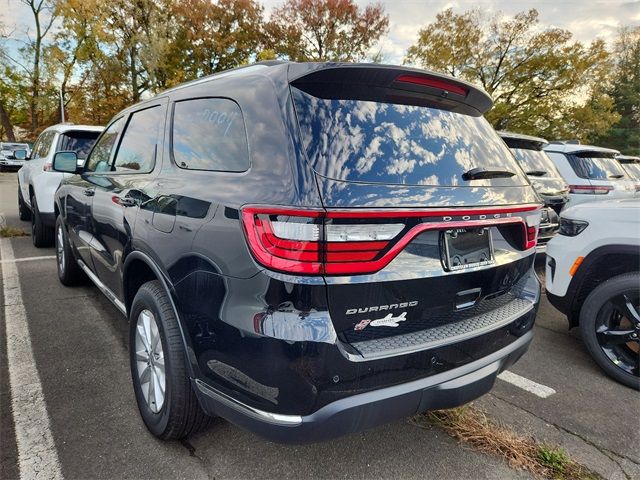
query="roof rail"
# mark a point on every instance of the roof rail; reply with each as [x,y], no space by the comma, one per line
[573,141]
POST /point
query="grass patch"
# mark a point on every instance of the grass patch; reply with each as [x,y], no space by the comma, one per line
[7,232]
[470,425]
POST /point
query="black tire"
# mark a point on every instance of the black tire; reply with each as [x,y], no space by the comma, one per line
[180,414]
[595,309]
[69,272]
[41,235]
[23,210]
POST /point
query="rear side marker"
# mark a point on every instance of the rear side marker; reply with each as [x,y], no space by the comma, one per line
[352,242]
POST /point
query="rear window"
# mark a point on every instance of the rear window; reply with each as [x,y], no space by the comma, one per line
[596,168]
[364,141]
[78,141]
[536,162]
[633,170]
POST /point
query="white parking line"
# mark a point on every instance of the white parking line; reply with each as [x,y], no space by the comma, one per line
[27,259]
[37,455]
[541,391]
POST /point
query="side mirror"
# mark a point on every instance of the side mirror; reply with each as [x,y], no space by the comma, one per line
[20,154]
[65,162]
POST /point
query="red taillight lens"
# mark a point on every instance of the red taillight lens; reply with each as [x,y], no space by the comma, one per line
[590,189]
[313,242]
[434,83]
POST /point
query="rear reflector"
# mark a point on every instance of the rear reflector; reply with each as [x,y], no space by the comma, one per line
[350,242]
[434,83]
[590,189]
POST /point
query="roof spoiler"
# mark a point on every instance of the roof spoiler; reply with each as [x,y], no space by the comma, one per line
[519,140]
[388,84]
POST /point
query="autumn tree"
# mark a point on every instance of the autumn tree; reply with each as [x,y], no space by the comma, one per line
[542,82]
[43,17]
[317,30]
[216,36]
[624,135]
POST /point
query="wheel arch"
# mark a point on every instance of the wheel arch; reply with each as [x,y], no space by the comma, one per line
[600,265]
[138,269]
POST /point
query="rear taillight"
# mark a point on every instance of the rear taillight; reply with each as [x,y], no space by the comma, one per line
[350,242]
[590,189]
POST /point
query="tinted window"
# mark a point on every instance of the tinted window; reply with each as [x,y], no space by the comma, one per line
[79,142]
[596,168]
[536,161]
[209,134]
[633,169]
[43,145]
[101,153]
[137,151]
[364,141]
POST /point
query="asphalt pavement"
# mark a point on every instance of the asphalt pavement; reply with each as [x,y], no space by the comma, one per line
[78,354]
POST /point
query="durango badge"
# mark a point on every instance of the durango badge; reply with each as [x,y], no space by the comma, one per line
[388,321]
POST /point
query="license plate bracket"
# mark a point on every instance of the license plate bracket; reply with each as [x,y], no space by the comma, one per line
[464,248]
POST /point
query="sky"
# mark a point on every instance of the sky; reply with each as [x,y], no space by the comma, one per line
[587,20]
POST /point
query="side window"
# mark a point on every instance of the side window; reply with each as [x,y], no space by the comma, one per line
[99,157]
[34,150]
[43,145]
[139,144]
[209,134]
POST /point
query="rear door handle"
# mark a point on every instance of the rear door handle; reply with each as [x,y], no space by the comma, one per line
[89,192]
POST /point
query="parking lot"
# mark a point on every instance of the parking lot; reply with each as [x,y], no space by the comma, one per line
[78,405]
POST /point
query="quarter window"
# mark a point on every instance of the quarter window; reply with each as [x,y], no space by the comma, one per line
[43,145]
[209,134]
[99,157]
[137,151]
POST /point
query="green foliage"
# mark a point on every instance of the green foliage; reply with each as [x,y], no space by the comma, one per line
[554,458]
[624,135]
[542,82]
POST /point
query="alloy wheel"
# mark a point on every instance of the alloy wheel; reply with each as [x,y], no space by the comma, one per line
[618,331]
[60,248]
[150,361]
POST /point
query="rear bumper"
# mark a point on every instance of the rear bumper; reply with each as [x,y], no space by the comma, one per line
[365,410]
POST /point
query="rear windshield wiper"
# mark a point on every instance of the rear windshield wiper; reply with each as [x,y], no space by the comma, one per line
[537,173]
[616,176]
[483,173]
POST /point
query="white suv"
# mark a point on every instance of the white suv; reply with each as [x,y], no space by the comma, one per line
[593,173]
[37,182]
[593,276]
[7,157]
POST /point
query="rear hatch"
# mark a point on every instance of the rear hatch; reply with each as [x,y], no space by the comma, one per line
[429,220]
[604,173]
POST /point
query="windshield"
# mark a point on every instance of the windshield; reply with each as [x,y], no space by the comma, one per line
[79,142]
[536,161]
[365,141]
[632,169]
[597,168]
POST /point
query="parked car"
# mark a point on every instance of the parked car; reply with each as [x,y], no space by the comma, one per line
[306,249]
[544,177]
[631,165]
[37,182]
[593,174]
[593,276]
[8,158]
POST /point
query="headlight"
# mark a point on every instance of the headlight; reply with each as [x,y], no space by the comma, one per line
[571,228]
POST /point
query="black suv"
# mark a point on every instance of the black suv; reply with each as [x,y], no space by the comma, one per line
[306,249]
[546,180]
